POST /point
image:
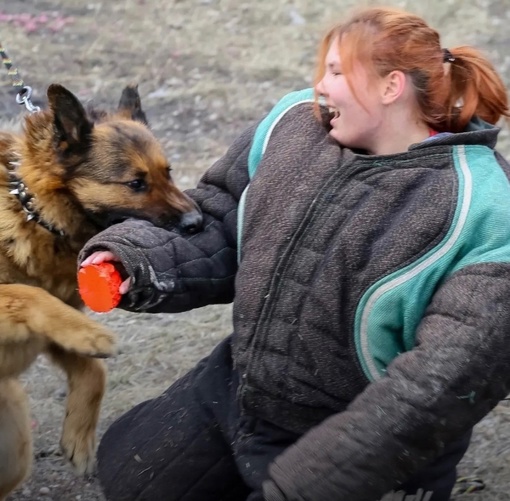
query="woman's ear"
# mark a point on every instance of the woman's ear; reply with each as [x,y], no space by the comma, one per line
[393,86]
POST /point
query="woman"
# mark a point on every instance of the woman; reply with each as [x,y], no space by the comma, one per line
[367,252]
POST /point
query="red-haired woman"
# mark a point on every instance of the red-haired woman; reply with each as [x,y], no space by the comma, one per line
[363,233]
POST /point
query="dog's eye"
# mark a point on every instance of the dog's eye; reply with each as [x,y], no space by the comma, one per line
[137,185]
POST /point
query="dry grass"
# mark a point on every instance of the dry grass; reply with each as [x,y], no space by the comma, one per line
[206,69]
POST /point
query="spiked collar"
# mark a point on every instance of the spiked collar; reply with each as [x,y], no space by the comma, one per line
[19,190]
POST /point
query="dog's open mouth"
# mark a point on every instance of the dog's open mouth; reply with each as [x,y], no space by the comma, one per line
[105,219]
[117,220]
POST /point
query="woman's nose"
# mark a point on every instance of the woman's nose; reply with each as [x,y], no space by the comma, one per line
[319,88]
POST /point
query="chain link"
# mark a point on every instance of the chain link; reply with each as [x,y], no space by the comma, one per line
[25,92]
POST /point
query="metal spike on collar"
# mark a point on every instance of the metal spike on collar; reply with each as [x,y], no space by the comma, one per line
[26,199]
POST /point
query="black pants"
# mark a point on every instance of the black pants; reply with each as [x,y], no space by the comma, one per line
[192,444]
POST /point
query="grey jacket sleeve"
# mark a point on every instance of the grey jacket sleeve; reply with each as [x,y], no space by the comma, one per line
[172,272]
[433,394]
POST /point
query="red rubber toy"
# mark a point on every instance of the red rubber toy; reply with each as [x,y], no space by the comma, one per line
[98,285]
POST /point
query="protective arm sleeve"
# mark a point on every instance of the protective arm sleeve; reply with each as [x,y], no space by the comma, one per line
[172,272]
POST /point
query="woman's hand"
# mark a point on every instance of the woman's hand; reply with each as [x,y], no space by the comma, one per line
[99,257]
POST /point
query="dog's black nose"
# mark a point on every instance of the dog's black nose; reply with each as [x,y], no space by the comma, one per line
[191,222]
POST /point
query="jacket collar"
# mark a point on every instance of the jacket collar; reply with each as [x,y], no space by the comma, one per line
[478,132]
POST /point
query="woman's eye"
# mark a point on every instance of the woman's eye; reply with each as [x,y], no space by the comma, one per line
[137,185]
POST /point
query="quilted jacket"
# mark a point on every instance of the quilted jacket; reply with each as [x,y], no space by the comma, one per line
[371,293]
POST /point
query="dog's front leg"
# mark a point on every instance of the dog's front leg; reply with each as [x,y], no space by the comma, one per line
[86,379]
[31,318]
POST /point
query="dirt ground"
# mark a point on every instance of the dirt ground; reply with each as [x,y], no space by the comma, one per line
[206,69]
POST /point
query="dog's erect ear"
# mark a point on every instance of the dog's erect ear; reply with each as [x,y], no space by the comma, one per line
[130,105]
[72,127]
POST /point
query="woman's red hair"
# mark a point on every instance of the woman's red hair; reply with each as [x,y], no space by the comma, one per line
[448,94]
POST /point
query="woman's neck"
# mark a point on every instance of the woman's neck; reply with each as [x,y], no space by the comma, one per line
[400,143]
[399,130]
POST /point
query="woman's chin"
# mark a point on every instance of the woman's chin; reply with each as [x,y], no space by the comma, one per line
[337,135]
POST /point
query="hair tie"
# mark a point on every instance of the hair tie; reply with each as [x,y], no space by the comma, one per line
[447,56]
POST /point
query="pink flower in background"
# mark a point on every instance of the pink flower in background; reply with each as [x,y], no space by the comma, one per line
[53,21]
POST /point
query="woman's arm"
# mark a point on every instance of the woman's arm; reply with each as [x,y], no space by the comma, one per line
[172,272]
[431,395]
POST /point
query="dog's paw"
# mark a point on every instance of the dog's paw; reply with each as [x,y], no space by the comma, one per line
[98,342]
[79,446]
[90,339]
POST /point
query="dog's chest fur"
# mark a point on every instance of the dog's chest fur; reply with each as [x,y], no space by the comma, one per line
[36,263]
[30,254]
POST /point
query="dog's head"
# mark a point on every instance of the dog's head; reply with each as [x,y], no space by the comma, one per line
[113,165]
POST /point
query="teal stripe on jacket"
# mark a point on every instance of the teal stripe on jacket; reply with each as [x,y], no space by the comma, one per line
[390,311]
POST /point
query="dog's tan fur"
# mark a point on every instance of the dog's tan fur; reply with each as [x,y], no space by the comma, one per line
[84,171]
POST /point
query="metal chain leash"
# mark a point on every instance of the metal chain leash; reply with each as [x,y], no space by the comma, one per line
[25,92]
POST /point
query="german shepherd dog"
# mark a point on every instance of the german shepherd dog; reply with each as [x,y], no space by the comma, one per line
[70,174]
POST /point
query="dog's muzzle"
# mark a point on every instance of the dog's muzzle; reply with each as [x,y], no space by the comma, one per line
[191,222]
